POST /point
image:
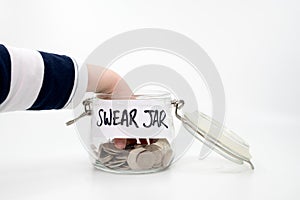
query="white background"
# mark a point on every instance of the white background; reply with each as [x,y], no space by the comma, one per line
[255,47]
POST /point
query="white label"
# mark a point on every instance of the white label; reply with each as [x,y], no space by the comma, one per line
[132,119]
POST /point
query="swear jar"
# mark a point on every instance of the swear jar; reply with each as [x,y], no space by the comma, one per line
[131,135]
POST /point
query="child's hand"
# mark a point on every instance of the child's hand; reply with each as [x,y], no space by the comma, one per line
[102,80]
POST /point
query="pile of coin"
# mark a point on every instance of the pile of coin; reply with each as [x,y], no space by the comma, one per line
[135,157]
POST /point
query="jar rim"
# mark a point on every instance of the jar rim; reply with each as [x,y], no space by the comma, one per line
[151,94]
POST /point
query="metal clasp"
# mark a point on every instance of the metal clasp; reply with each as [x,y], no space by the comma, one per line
[87,111]
[178,105]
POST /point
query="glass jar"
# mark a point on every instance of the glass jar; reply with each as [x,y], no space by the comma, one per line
[131,135]
[136,134]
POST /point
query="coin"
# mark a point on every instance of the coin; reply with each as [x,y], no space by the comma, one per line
[110,148]
[145,160]
[132,158]
[114,162]
[122,155]
[114,165]
[163,144]
[135,156]
[105,159]
[157,154]
[124,167]
[167,158]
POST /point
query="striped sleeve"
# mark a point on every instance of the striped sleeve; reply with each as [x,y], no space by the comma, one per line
[33,80]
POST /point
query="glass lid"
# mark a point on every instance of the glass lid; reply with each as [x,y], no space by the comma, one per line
[204,128]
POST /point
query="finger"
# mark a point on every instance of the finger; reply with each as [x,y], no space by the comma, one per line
[120,143]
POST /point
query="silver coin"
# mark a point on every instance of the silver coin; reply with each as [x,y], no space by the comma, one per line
[110,148]
[163,144]
[138,146]
[152,147]
[131,160]
[167,158]
[124,167]
[105,159]
[157,153]
[100,150]
[142,157]
[114,165]
[102,153]
[145,160]
[123,154]
[121,157]
[113,162]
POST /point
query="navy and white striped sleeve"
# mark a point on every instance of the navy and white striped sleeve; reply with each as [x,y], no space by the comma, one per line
[33,80]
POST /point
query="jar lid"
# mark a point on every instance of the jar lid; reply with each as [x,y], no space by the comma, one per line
[214,135]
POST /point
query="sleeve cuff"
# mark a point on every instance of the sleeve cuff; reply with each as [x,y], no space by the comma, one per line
[80,86]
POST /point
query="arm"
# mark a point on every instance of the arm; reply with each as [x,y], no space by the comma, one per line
[34,80]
